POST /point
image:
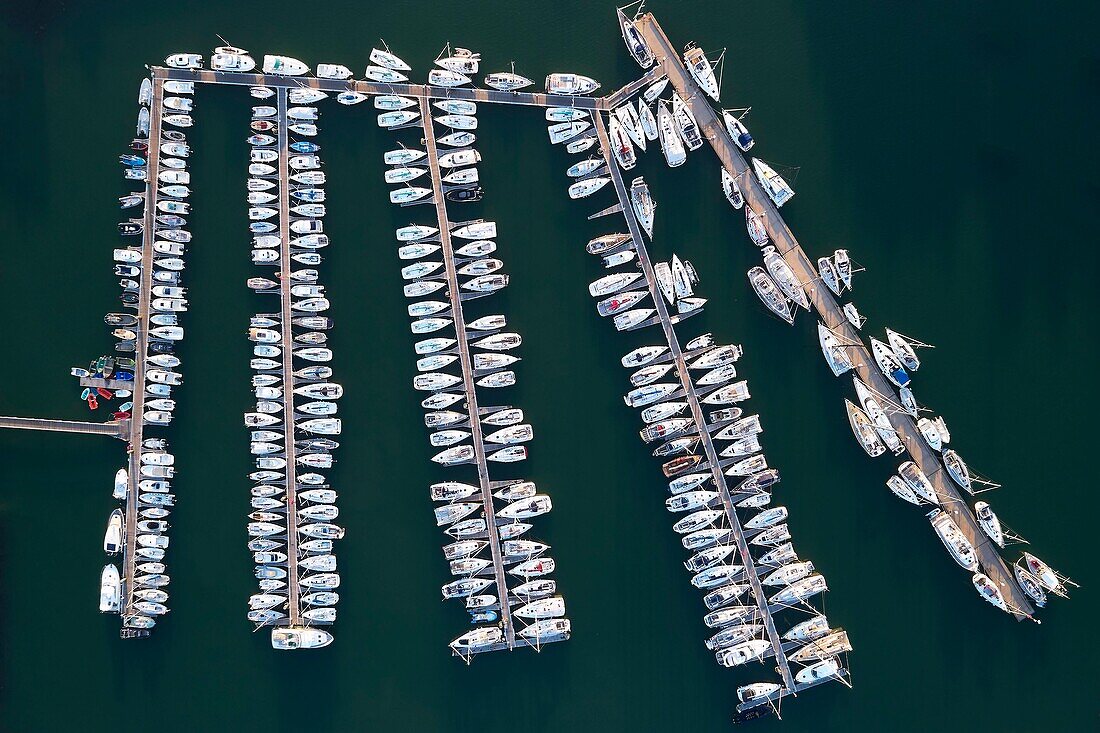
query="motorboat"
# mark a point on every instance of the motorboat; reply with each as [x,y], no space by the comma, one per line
[672,145]
[732,190]
[770,294]
[284,66]
[299,637]
[635,43]
[232,62]
[864,430]
[957,469]
[836,354]
[737,131]
[773,184]
[388,60]
[934,432]
[644,205]
[685,120]
[110,590]
[184,61]
[954,539]
[757,691]
[889,363]
[113,537]
[785,278]
[547,628]
[570,84]
[333,71]
[989,523]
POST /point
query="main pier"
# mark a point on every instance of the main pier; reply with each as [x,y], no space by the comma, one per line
[829,310]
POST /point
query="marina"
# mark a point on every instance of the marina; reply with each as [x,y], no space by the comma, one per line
[743,555]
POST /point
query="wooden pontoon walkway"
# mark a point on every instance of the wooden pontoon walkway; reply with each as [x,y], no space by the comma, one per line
[294,606]
[714,462]
[115,428]
[423,91]
[829,310]
[454,294]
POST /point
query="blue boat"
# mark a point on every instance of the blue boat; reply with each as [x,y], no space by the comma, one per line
[134,161]
[124,376]
[305,146]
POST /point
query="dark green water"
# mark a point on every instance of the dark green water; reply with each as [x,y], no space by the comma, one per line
[947,147]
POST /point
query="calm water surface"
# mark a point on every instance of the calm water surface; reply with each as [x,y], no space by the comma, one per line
[947,147]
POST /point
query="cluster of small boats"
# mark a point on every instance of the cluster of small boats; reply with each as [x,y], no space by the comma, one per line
[457,357]
[292,526]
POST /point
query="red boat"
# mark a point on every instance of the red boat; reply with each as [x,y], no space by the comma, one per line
[120,415]
[93,403]
[263,125]
[105,393]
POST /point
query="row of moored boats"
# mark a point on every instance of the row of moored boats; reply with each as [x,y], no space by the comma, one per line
[461,358]
[292,527]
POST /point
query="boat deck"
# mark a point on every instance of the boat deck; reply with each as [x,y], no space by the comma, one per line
[829,310]
[691,396]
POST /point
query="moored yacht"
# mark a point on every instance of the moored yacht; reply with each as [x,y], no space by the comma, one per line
[778,190]
[700,68]
[954,539]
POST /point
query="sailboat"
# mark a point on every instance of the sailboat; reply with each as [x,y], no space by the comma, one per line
[878,416]
[889,363]
[635,43]
[785,278]
[507,81]
[700,68]
[770,294]
[672,146]
[836,356]
[388,60]
[737,130]
[903,349]
[647,121]
[644,205]
[954,539]
[773,184]
[864,430]
[989,523]
[754,223]
[732,190]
